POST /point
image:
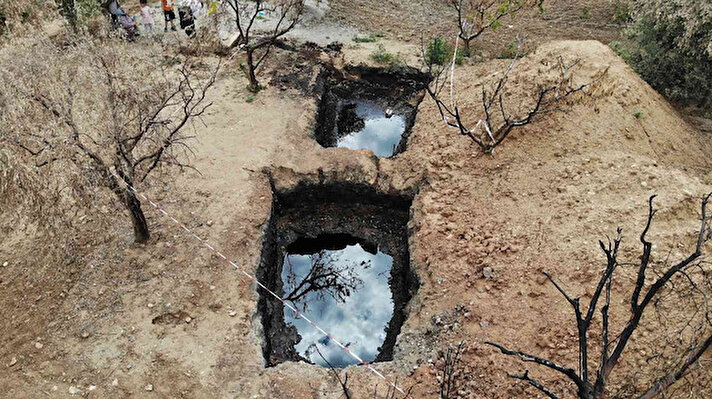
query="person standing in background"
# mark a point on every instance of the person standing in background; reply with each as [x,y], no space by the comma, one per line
[169,14]
[146,17]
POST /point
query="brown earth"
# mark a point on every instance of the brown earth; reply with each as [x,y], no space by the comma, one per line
[409,20]
[121,317]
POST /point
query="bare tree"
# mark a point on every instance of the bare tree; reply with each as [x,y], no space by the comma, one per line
[644,294]
[498,122]
[326,276]
[474,17]
[257,44]
[102,112]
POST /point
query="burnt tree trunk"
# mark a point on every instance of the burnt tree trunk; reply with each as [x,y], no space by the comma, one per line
[132,204]
[254,85]
[466,47]
[140,226]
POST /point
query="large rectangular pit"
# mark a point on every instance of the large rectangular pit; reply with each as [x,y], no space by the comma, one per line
[369,108]
[338,220]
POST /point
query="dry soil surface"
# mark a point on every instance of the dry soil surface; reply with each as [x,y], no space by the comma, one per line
[170,320]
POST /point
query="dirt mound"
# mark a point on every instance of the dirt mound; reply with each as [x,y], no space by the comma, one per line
[169,320]
[541,202]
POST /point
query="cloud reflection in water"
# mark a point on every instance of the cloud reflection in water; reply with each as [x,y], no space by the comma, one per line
[380,134]
[359,321]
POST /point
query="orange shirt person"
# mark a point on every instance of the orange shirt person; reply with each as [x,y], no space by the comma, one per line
[168,14]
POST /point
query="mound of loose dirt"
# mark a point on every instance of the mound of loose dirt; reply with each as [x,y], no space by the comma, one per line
[540,202]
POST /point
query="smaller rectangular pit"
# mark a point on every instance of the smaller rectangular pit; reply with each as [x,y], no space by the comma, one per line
[370,108]
[356,239]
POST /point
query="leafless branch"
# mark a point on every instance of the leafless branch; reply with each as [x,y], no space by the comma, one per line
[536,384]
[594,389]
[492,130]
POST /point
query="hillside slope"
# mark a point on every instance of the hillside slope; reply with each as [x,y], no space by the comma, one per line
[167,319]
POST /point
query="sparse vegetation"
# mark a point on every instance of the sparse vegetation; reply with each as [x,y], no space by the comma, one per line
[372,38]
[498,122]
[451,373]
[440,52]
[511,50]
[77,13]
[86,112]
[382,56]
[621,12]
[136,127]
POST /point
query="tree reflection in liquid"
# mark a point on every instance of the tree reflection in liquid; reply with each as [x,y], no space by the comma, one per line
[346,292]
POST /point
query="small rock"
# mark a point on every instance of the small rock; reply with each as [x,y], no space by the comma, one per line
[84,334]
[13,362]
[73,390]
[38,345]
[232,313]
[115,383]
[488,272]
[149,387]
[5,264]
[644,184]
[92,387]
[150,305]
[188,319]
[484,324]
[210,223]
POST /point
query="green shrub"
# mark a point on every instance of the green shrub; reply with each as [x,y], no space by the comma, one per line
[440,51]
[250,99]
[168,62]
[638,114]
[366,39]
[510,51]
[670,45]
[382,56]
[585,12]
[621,12]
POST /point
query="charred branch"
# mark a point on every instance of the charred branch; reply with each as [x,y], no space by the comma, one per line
[589,388]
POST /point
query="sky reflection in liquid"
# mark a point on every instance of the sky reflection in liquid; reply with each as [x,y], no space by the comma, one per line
[358,322]
[380,134]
